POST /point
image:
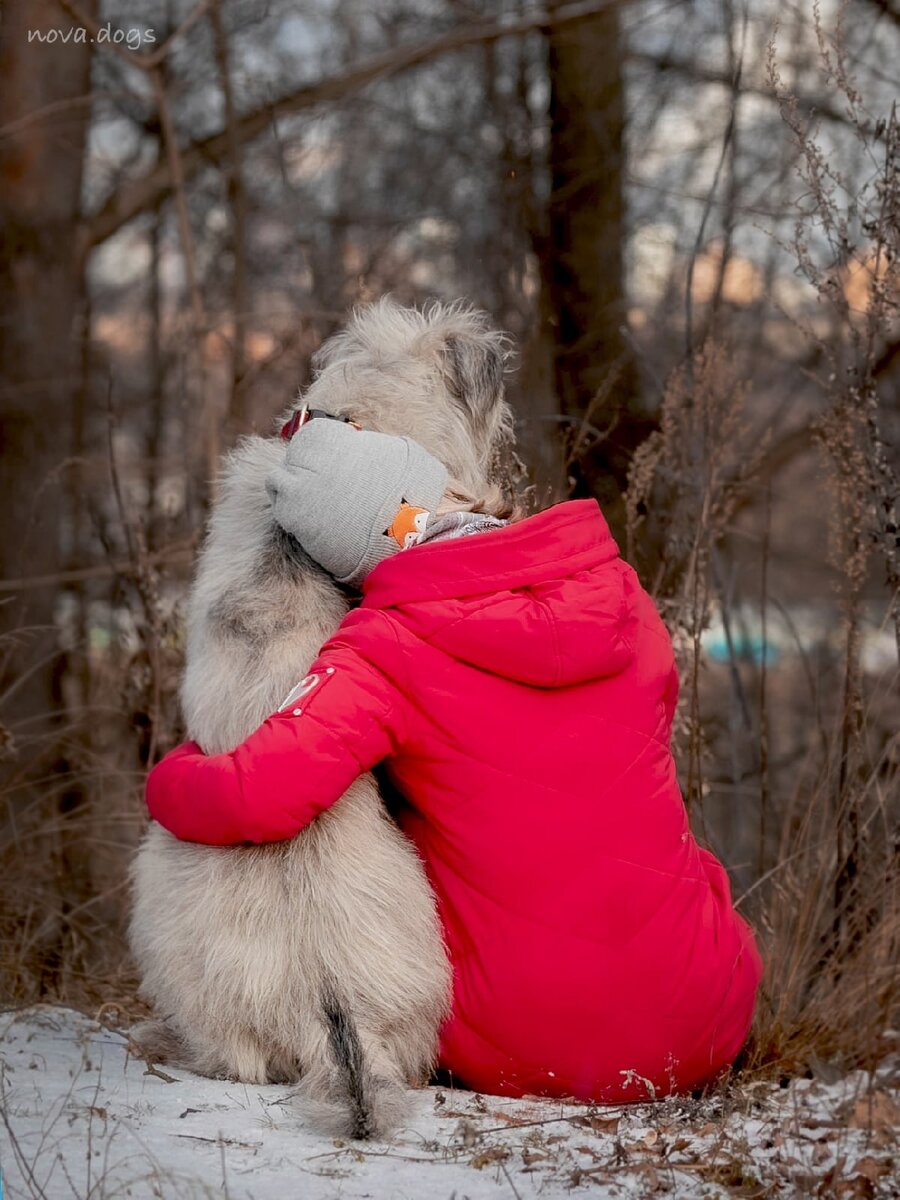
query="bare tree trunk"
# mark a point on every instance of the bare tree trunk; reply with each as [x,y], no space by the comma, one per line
[237,203]
[583,272]
[40,185]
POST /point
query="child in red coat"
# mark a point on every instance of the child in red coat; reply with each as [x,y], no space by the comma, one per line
[519,687]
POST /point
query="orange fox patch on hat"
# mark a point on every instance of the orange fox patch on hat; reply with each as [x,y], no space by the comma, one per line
[408,525]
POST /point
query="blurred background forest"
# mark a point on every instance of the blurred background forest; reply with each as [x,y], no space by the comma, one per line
[687,214]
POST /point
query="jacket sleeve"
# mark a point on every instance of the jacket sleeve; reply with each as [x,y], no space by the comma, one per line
[342,719]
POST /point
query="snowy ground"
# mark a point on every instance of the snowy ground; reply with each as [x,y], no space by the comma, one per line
[80,1118]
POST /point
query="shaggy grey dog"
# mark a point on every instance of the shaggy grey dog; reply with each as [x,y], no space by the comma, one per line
[321,957]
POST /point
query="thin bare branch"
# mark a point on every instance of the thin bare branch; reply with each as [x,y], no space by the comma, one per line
[133,198]
[890,10]
[176,171]
[701,230]
[180,551]
[696,72]
[50,110]
[161,53]
[237,196]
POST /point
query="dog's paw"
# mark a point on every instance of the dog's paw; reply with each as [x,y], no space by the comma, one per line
[155,1041]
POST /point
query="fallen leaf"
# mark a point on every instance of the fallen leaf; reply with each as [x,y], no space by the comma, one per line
[826,1184]
[589,1151]
[492,1155]
[875,1111]
[533,1156]
[870,1168]
[857,1188]
[881,1139]
[505,1118]
[598,1124]
[805,1182]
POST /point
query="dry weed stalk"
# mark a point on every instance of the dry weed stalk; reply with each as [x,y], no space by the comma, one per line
[846,244]
[691,474]
[70,793]
[832,912]
[828,907]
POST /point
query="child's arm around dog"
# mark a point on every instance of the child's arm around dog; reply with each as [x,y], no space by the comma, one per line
[341,720]
[338,492]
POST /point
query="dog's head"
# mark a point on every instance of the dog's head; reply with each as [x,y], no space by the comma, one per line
[436,375]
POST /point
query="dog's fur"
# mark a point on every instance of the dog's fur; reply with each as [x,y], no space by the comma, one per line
[320,957]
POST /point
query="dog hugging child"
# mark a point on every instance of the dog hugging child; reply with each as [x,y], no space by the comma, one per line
[519,687]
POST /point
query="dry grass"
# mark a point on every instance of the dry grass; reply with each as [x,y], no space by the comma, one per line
[825,894]
[814,751]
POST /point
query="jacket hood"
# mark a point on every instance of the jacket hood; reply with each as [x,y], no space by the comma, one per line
[544,601]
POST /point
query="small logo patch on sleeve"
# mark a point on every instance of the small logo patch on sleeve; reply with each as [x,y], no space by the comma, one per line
[302,689]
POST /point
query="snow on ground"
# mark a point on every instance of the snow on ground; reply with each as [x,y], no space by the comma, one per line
[81,1119]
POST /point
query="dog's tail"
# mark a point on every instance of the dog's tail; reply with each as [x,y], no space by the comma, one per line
[357,1092]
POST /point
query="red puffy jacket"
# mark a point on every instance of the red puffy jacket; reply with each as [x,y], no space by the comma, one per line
[519,686]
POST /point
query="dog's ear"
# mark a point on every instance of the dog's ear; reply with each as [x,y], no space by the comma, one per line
[474,364]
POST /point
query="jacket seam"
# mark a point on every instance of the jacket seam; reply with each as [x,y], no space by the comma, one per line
[455,620]
[650,738]
[587,939]
[399,705]
[599,552]
[554,635]
[402,704]
[495,582]
[342,743]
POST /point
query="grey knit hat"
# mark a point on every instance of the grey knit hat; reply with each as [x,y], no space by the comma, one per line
[340,489]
